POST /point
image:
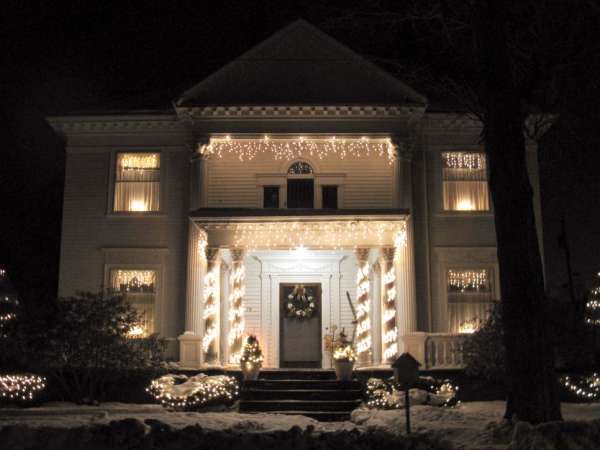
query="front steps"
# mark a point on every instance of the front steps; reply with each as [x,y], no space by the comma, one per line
[312,393]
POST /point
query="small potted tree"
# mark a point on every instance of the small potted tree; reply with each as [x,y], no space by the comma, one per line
[251,359]
[343,360]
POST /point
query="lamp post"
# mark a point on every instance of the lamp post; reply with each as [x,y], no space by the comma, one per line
[406,372]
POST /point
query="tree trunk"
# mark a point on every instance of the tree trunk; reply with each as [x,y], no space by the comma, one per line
[531,379]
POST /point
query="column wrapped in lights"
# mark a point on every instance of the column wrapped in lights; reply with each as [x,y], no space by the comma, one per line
[211,307]
[363,308]
[236,308]
[389,330]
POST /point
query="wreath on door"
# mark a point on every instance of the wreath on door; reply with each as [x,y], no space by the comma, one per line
[300,304]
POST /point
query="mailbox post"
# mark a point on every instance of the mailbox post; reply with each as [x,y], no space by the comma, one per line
[406,372]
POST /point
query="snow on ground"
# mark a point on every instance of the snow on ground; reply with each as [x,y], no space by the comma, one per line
[472,425]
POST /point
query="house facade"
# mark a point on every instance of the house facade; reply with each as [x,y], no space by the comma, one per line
[297,191]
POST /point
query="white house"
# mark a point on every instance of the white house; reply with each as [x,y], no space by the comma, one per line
[298,167]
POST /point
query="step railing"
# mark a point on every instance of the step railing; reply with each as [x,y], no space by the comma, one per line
[436,351]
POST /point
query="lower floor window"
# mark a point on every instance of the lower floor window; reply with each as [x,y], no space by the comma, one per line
[470,299]
[138,288]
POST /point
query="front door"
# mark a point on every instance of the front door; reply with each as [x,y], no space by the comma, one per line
[300,336]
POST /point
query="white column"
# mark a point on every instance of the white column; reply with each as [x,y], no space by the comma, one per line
[389,330]
[363,308]
[406,317]
[236,307]
[211,307]
[190,352]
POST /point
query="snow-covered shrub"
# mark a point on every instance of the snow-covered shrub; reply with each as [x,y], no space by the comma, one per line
[85,349]
[20,388]
[483,351]
[187,393]
[387,394]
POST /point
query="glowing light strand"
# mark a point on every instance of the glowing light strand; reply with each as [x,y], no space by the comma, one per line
[389,330]
[211,304]
[182,393]
[236,310]
[286,148]
[363,328]
[22,387]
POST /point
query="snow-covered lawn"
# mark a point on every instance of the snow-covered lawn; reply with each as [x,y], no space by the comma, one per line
[472,425]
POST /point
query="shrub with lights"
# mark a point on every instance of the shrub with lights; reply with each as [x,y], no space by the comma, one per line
[20,388]
[584,387]
[9,305]
[592,308]
[180,392]
[251,359]
[387,394]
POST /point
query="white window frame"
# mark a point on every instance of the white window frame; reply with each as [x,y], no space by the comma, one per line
[110,212]
[440,171]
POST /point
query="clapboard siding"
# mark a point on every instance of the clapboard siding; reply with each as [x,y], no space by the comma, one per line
[367,181]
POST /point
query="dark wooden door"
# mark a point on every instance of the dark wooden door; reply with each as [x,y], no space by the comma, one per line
[301,193]
[300,339]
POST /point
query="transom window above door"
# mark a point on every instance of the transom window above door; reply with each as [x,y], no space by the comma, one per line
[300,186]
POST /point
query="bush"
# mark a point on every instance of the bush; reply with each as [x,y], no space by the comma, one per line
[483,351]
[86,348]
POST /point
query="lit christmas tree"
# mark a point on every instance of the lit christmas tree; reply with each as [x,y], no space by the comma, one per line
[592,307]
[8,304]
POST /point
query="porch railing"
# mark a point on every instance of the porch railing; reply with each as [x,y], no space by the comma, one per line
[436,351]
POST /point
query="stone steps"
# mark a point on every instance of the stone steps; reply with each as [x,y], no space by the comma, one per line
[312,393]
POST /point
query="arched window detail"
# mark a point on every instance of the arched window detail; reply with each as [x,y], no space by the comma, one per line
[300,168]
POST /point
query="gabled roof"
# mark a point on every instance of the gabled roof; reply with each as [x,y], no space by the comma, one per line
[300,65]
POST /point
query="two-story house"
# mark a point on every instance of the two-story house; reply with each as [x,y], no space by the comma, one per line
[298,189]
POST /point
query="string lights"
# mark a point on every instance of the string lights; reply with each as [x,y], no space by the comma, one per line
[468,280]
[585,386]
[386,394]
[139,161]
[333,235]
[344,353]
[236,310]
[21,387]
[182,393]
[133,280]
[464,160]
[286,148]
[388,318]
[363,328]
[592,307]
[211,304]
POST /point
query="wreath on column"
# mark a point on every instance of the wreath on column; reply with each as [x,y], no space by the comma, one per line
[299,304]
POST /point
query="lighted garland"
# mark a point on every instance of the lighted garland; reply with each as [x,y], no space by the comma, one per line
[386,394]
[363,328]
[468,280]
[236,310]
[388,317]
[285,148]
[583,386]
[21,388]
[464,160]
[211,305]
[299,304]
[182,393]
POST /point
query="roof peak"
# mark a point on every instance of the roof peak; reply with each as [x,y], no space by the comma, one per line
[300,64]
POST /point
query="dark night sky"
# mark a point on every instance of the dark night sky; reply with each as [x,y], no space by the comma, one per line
[84,56]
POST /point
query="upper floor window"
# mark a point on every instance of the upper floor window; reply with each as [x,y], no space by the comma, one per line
[470,297]
[271,197]
[330,197]
[138,288]
[137,182]
[465,186]
[300,186]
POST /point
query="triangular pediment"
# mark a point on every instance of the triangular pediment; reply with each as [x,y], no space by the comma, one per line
[300,65]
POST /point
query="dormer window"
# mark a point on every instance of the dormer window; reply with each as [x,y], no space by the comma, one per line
[300,186]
